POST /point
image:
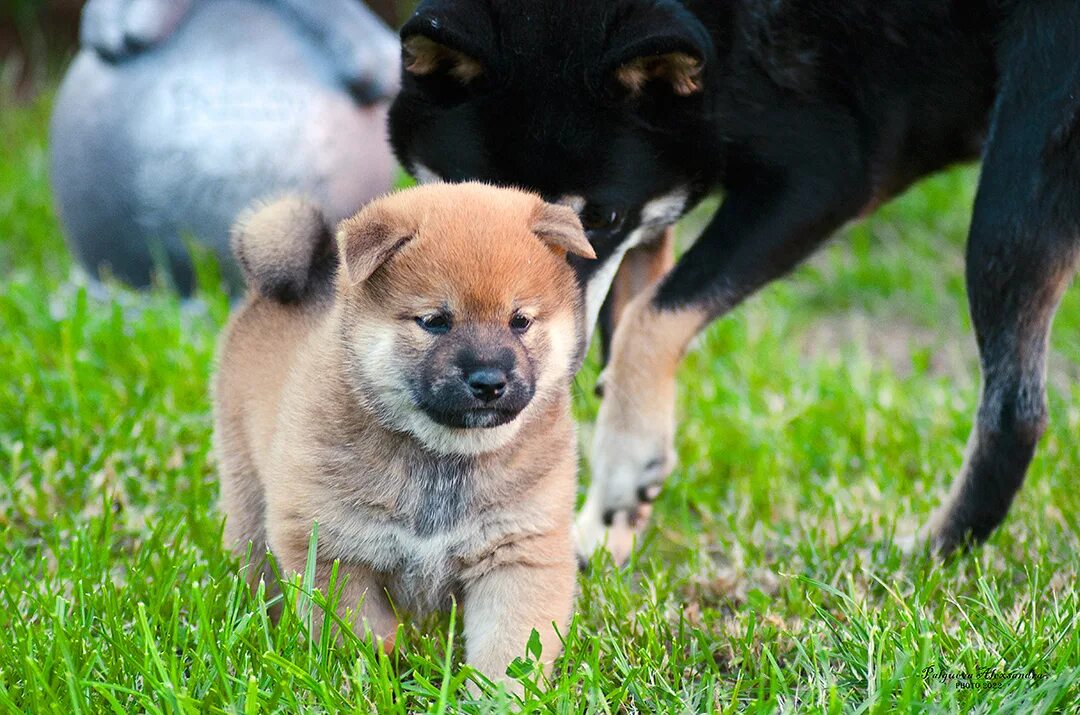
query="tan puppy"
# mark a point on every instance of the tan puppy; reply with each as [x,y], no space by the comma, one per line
[410,392]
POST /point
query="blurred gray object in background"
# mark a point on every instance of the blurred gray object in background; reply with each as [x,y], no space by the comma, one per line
[177,114]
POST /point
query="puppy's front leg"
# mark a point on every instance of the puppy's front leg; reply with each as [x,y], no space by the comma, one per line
[503,606]
[361,600]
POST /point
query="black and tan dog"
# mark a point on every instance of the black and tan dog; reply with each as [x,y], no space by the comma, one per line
[410,393]
[808,114]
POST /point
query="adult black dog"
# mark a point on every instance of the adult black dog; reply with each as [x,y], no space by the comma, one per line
[807,113]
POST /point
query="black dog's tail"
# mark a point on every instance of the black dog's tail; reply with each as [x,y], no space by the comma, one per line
[285,249]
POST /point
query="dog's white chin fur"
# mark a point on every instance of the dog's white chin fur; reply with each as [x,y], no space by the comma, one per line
[386,395]
[465,441]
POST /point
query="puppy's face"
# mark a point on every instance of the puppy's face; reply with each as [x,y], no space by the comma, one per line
[461,312]
[598,104]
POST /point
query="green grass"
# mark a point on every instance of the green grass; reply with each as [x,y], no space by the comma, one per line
[826,415]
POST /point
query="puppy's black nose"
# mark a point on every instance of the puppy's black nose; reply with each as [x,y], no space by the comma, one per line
[487,383]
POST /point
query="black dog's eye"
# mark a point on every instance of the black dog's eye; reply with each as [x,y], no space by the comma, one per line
[519,323]
[436,324]
[595,217]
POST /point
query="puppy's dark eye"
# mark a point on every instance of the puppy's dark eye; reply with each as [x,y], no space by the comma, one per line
[519,323]
[596,217]
[436,324]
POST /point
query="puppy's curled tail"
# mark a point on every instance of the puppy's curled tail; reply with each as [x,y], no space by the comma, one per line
[285,249]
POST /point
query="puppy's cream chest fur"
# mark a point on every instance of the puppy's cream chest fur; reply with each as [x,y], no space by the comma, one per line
[420,572]
[440,532]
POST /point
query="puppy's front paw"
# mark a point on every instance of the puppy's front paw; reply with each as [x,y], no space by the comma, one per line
[940,537]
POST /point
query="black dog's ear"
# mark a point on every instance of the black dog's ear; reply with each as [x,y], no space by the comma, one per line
[659,43]
[446,37]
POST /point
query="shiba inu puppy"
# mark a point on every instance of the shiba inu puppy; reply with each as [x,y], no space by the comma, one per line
[407,387]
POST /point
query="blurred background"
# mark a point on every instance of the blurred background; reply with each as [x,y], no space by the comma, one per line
[36,36]
[170,117]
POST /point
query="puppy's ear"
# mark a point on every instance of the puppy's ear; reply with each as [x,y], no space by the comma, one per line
[365,242]
[559,227]
[657,45]
[450,40]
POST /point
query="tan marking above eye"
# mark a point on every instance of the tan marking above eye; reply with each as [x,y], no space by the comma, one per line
[423,56]
[678,69]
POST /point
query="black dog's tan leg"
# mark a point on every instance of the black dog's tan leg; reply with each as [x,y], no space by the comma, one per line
[1022,253]
[633,447]
[758,235]
[642,266]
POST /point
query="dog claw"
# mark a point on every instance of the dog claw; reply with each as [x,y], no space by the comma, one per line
[617,535]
